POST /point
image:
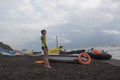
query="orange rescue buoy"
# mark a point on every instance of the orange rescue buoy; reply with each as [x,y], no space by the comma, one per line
[84,58]
[39,62]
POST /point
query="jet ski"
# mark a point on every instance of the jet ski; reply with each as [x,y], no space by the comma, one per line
[100,55]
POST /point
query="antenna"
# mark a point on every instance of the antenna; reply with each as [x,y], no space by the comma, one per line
[56,41]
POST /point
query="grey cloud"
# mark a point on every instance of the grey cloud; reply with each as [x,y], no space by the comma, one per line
[77,23]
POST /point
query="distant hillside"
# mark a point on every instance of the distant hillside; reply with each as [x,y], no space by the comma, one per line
[5,46]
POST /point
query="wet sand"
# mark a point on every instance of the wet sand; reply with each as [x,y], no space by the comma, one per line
[113,62]
[23,68]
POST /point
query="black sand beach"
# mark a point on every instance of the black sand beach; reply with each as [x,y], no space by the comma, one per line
[23,68]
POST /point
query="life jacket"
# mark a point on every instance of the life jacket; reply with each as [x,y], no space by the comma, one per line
[96,51]
[44,42]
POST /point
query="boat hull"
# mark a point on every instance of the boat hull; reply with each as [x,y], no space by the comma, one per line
[102,56]
[64,58]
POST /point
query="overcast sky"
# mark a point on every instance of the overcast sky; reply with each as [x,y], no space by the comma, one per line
[77,23]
